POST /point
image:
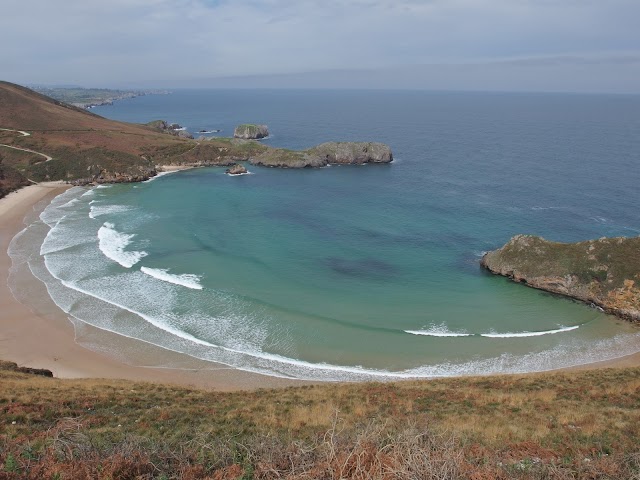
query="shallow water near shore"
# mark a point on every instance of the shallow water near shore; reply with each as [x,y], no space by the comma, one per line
[362,272]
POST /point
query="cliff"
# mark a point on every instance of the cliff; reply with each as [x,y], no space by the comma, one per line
[330,153]
[603,272]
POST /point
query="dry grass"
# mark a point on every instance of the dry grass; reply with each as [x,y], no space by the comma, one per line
[568,425]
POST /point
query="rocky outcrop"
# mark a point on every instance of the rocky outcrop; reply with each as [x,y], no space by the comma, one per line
[13,367]
[331,153]
[603,272]
[352,153]
[236,169]
[105,176]
[170,128]
[249,131]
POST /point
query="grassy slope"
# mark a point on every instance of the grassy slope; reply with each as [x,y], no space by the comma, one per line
[569,425]
[80,142]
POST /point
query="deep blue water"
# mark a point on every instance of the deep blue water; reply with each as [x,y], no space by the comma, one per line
[347,272]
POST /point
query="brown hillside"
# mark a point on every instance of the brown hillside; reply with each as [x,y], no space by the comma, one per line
[24,109]
[580,425]
[83,145]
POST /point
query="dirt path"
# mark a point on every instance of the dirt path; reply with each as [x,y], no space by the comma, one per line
[24,134]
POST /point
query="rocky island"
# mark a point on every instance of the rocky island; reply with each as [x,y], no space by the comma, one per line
[250,131]
[603,272]
[236,169]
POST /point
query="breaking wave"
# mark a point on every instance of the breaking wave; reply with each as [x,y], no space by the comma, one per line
[438,331]
[112,244]
[529,334]
[188,280]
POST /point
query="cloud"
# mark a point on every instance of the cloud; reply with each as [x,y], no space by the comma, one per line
[162,42]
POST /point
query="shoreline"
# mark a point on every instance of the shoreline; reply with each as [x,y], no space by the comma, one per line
[46,338]
[58,345]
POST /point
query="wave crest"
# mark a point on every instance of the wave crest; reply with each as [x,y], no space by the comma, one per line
[188,280]
[438,331]
[529,334]
[112,244]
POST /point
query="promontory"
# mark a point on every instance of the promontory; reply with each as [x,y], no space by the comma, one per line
[46,139]
[603,272]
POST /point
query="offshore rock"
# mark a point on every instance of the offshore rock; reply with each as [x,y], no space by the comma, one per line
[236,169]
[250,131]
[603,272]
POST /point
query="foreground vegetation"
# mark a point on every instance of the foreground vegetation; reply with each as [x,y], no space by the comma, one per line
[564,425]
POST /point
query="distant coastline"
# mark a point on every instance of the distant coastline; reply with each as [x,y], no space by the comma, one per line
[89,98]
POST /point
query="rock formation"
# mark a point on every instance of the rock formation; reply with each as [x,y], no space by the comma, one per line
[236,169]
[352,153]
[170,128]
[342,153]
[12,366]
[603,272]
[249,131]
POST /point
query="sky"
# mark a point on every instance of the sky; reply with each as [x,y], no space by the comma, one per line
[495,45]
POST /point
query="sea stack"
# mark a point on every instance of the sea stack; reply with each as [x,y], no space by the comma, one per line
[250,131]
[236,169]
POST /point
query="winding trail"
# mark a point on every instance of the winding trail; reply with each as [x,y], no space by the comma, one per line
[24,134]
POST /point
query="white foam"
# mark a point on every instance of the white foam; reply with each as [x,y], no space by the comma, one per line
[438,331]
[160,174]
[104,186]
[239,174]
[547,208]
[112,244]
[188,280]
[529,334]
[129,291]
[99,210]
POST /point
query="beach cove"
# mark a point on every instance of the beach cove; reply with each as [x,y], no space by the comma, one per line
[355,286]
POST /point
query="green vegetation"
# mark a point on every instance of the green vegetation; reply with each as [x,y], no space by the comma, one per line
[607,260]
[563,425]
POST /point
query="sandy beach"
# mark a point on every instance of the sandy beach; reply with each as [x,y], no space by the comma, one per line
[49,340]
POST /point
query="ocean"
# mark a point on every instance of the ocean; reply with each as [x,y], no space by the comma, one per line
[352,272]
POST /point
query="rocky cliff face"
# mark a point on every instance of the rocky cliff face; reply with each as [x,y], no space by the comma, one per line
[352,153]
[603,272]
[249,131]
[343,153]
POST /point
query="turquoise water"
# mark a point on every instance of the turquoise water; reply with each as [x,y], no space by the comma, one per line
[354,272]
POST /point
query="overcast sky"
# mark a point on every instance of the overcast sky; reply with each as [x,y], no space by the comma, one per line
[544,45]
